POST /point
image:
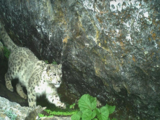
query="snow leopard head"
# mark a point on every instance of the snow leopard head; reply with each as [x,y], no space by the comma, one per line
[53,74]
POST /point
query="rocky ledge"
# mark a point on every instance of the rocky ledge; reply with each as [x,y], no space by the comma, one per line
[14,111]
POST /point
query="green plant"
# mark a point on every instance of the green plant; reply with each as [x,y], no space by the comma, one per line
[46,61]
[57,113]
[6,52]
[72,106]
[42,115]
[53,62]
[11,114]
[89,111]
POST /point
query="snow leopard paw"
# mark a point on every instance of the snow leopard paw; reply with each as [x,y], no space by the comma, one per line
[62,105]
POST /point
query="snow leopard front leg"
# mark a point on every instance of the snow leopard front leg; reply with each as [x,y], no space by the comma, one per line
[55,99]
[31,97]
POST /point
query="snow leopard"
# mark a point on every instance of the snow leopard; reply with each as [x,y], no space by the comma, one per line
[35,75]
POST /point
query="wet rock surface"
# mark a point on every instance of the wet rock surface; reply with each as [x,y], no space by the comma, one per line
[109,49]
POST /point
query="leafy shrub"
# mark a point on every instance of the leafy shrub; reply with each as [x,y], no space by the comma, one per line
[89,111]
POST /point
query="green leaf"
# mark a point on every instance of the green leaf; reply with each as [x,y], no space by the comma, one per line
[41,115]
[114,119]
[95,119]
[110,108]
[87,114]
[75,117]
[87,102]
[72,106]
[102,113]
[48,111]
[94,114]
[98,112]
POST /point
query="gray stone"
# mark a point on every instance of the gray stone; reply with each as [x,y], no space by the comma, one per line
[22,113]
[71,2]
[11,107]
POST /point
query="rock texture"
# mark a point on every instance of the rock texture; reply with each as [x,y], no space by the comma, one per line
[13,111]
[109,49]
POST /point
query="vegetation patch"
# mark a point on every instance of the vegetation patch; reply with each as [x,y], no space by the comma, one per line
[6,52]
[53,62]
[88,110]
[57,113]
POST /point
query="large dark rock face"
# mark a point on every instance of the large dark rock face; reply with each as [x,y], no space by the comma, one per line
[109,49]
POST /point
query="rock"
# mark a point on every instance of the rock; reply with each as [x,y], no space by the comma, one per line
[13,111]
[109,49]
[10,110]
[33,115]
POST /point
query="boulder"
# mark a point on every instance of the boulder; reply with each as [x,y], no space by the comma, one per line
[14,111]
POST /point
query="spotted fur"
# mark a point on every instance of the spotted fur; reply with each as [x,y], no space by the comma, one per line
[37,76]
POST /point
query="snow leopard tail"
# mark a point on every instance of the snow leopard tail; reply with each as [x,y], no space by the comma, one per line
[6,39]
